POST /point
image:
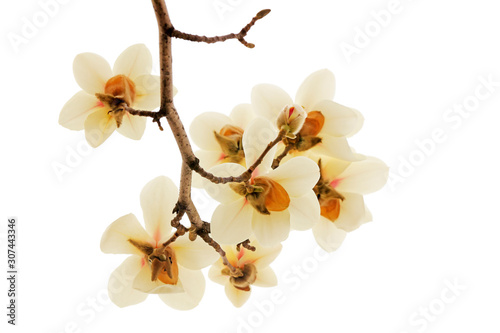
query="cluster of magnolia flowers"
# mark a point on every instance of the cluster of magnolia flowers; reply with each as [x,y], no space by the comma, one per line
[311,179]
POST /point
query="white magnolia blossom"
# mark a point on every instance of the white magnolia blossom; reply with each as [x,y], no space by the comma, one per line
[272,202]
[327,124]
[219,137]
[172,272]
[255,268]
[340,193]
[130,81]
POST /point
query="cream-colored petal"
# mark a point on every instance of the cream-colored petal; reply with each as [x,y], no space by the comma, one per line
[77,109]
[98,127]
[352,212]
[365,176]
[91,72]
[336,147]
[236,296]
[120,288]
[259,133]
[158,199]
[136,60]
[331,168]
[222,192]
[268,100]
[193,283]
[263,255]
[143,283]
[194,255]
[208,159]
[304,211]
[339,120]
[231,223]
[132,127]
[242,115]
[215,273]
[203,127]
[266,278]
[359,123]
[271,229]
[116,237]
[297,175]
[368,216]
[327,235]
[148,94]
[316,87]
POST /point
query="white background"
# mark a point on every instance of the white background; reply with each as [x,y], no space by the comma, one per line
[436,224]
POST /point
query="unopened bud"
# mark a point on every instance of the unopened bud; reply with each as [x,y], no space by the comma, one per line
[291,119]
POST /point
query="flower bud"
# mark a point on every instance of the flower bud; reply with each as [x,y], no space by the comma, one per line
[291,119]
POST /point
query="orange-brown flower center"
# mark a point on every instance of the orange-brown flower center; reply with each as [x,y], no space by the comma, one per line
[313,124]
[120,86]
[247,277]
[229,139]
[264,194]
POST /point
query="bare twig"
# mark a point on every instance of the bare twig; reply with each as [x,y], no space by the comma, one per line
[277,160]
[239,36]
[246,245]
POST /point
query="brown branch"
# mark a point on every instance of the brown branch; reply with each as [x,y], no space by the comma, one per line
[179,232]
[246,245]
[141,113]
[277,160]
[209,40]
[245,175]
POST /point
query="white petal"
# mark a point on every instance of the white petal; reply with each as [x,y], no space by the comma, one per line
[242,115]
[256,138]
[365,176]
[327,235]
[268,100]
[336,147]
[339,120]
[231,223]
[331,168]
[222,192]
[194,255]
[148,94]
[91,72]
[143,283]
[266,278]
[132,127]
[317,86]
[120,283]
[304,211]
[368,216]
[271,229]
[158,199]
[297,175]
[77,109]
[203,127]
[236,296]
[193,283]
[136,60]
[98,127]
[215,273]
[116,236]
[352,212]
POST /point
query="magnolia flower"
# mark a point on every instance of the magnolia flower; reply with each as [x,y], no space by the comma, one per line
[219,137]
[271,202]
[340,194]
[254,267]
[97,107]
[327,124]
[291,119]
[172,272]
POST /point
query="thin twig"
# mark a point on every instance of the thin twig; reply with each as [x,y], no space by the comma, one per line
[277,160]
[246,245]
[209,40]
[245,175]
